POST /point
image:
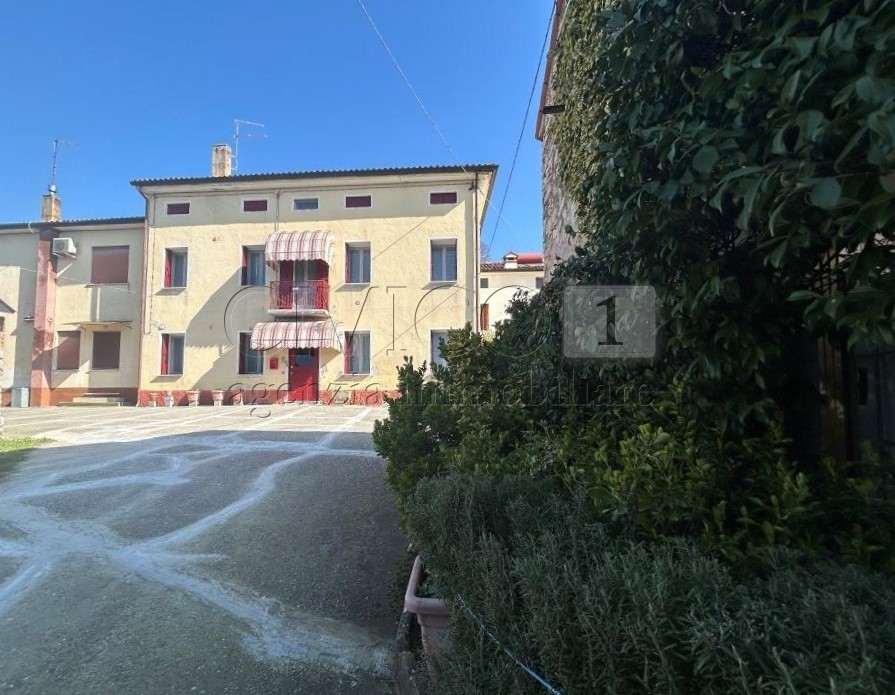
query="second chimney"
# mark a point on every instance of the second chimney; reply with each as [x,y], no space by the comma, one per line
[50,207]
[221,160]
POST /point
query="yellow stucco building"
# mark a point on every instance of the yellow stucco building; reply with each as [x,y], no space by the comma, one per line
[300,286]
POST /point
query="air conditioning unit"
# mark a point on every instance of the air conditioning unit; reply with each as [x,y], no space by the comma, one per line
[64,246]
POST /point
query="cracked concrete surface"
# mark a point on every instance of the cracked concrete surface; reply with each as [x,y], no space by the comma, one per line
[215,550]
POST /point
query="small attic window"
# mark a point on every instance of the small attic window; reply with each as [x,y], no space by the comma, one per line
[443,198]
[177,208]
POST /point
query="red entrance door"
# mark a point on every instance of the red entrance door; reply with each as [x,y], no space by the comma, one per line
[304,371]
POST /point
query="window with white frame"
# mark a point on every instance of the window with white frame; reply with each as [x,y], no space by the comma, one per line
[250,361]
[172,354]
[357,353]
[175,267]
[444,260]
[253,266]
[302,204]
[357,262]
[437,337]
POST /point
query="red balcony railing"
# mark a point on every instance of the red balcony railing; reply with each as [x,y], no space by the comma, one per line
[286,295]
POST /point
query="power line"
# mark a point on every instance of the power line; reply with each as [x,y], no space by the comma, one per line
[534,86]
[410,86]
[416,96]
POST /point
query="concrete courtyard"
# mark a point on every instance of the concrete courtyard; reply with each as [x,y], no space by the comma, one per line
[198,550]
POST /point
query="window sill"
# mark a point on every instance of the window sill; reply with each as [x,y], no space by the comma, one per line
[357,284]
[108,284]
[169,376]
[103,369]
[171,290]
[442,283]
[251,373]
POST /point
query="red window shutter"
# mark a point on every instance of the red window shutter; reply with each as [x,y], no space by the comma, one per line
[243,344]
[245,266]
[347,353]
[109,265]
[164,369]
[287,271]
[484,317]
[167,267]
[68,351]
[358,201]
[446,198]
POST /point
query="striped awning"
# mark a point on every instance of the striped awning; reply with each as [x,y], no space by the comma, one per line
[316,245]
[297,334]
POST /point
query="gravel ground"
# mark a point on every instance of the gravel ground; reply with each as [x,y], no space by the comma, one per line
[197,550]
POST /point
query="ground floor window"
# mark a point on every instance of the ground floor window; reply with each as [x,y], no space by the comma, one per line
[435,348]
[68,350]
[172,353]
[250,361]
[357,353]
[106,350]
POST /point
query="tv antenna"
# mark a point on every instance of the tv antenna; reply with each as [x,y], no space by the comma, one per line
[237,136]
[57,143]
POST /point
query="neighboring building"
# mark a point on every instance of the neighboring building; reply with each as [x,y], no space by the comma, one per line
[500,281]
[75,325]
[297,286]
[559,208]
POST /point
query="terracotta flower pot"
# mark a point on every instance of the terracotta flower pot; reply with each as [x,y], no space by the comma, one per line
[236,398]
[192,397]
[431,613]
[217,396]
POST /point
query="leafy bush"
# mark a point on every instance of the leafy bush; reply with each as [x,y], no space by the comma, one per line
[594,611]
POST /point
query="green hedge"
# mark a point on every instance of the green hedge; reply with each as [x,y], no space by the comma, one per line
[593,611]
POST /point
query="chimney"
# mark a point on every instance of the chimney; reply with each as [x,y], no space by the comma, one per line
[221,160]
[509,261]
[51,207]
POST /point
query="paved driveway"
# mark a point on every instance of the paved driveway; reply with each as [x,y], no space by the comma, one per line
[197,550]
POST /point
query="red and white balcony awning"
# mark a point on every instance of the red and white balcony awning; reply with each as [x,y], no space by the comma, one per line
[297,334]
[316,245]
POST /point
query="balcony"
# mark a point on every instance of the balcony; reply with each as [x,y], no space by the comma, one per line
[309,298]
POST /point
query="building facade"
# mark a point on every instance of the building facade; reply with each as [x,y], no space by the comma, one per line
[73,322]
[559,208]
[308,286]
[502,280]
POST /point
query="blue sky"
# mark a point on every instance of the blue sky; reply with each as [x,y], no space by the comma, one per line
[145,90]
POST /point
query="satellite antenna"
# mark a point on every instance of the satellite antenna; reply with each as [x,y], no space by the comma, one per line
[57,143]
[237,136]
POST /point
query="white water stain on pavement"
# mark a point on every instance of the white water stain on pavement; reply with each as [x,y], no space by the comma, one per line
[272,633]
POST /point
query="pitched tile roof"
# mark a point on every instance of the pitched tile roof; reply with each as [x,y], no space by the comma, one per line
[332,173]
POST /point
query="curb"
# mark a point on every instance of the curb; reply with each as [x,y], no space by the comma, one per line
[405,680]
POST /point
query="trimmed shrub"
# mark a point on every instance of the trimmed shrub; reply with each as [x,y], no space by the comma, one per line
[593,611]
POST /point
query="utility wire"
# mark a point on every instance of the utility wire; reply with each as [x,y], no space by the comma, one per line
[410,86]
[416,96]
[534,86]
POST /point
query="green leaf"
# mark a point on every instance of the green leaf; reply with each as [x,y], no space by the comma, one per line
[802,45]
[705,159]
[776,257]
[802,295]
[826,193]
[788,93]
[887,181]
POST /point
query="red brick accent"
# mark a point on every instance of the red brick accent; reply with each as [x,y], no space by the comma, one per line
[44,315]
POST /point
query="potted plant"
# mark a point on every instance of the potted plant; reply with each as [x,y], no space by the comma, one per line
[192,397]
[431,613]
[217,396]
[236,398]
